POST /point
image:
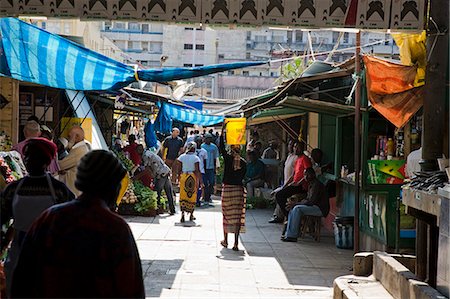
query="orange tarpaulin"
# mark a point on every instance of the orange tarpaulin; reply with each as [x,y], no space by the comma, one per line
[391,91]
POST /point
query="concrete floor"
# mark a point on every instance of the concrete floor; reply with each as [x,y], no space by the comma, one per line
[187,261]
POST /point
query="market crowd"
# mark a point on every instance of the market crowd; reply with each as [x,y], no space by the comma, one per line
[65,238]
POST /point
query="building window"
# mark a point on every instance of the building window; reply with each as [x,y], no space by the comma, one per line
[199,29]
[145,28]
[221,56]
[187,65]
[335,37]
[156,47]
[345,41]
[145,46]
[188,28]
[133,45]
[144,62]
[273,74]
[260,38]
[245,73]
[200,47]
[299,36]
[248,55]
[249,35]
[119,25]
[188,46]
[108,25]
[134,26]
[43,25]
[199,65]
[230,73]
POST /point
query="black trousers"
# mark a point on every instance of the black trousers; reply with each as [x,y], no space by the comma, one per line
[283,195]
[164,183]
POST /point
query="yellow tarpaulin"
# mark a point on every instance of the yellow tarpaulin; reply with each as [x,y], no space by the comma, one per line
[413,52]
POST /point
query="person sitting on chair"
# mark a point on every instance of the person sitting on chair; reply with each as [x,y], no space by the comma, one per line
[315,204]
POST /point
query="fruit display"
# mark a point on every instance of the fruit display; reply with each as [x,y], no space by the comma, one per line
[127,163]
[129,197]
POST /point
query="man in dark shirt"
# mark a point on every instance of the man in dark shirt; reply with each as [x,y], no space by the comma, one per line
[315,204]
[81,249]
[174,146]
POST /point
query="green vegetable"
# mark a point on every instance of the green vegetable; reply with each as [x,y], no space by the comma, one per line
[147,199]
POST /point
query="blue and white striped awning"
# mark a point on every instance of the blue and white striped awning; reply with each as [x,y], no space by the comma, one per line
[169,112]
[31,54]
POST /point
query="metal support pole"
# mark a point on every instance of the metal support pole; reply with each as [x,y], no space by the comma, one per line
[357,140]
[433,124]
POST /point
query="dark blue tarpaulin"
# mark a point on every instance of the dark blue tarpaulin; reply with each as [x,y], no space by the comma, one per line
[34,55]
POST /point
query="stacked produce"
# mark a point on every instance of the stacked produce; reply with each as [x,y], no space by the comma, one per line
[129,197]
[127,163]
[147,198]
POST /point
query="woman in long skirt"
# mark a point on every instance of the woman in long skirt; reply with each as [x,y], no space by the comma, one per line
[233,193]
[190,178]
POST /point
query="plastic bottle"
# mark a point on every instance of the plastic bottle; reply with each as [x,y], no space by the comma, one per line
[390,147]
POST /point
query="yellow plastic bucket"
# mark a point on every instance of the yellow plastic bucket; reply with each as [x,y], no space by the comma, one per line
[236,130]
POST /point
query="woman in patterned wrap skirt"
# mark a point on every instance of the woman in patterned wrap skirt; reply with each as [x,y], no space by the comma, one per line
[190,179]
[233,193]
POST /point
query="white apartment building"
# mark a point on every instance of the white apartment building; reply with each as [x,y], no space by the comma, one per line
[190,46]
[87,32]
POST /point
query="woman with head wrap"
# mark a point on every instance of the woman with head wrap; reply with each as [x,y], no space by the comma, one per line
[82,248]
[190,178]
[24,200]
[233,193]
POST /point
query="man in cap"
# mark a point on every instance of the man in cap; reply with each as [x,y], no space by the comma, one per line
[82,248]
[210,166]
[25,199]
[68,165]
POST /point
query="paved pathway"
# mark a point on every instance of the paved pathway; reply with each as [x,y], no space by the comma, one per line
[187,261]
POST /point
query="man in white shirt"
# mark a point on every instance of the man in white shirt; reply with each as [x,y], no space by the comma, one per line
[68,165]
[289,166]
[202,154]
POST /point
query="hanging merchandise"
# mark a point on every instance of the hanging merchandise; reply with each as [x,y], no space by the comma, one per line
[391,91]
[235,128]
[413,52]
[150,137]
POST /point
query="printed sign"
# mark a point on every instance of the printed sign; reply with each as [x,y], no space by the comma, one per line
[124,9]
[307,14]
[7,8]
[30,7]
[187,11]
[373,14]
[219,11]
[156,10]
[407,14]
[63,8]
[248,12]
[276,11]
[96,9]
[332,12]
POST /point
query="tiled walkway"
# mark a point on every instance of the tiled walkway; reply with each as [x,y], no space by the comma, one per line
[187,261]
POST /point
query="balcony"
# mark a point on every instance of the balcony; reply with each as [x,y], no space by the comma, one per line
[129,31]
